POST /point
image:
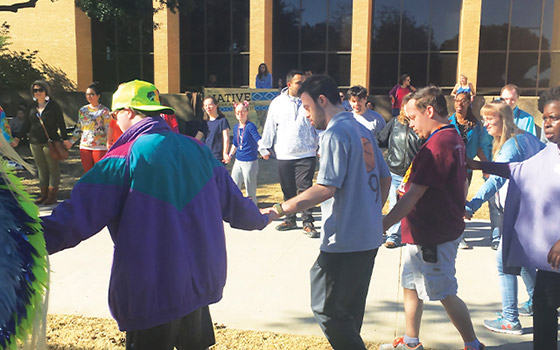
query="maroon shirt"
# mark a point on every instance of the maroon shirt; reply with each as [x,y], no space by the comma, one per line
[437,217]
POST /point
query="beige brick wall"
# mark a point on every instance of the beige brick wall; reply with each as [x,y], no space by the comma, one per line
[60,32]
[260,37]
[361,42]
[167,70]
[469,33]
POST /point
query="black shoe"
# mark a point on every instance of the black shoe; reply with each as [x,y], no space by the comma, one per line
[310,231]
[286,225]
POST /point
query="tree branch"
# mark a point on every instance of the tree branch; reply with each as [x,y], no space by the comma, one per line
[16,7]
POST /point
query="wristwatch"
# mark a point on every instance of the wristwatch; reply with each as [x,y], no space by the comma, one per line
[278,208]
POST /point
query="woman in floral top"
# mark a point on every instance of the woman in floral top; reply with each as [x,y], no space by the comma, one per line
[93,125]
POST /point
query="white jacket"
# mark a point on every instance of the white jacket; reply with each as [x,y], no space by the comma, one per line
[288,130]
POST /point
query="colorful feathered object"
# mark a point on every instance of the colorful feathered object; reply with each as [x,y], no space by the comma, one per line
[23,267]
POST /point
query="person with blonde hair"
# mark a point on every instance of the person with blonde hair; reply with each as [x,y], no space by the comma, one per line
[463,86]
[510,144]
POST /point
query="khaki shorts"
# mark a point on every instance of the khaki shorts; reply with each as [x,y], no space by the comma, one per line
[432,281]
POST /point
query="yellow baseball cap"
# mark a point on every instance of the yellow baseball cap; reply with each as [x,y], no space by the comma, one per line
[139,95]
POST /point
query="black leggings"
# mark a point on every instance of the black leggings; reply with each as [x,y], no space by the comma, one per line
[546,301]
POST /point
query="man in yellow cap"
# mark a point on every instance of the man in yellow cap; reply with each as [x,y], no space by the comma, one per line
[163,197]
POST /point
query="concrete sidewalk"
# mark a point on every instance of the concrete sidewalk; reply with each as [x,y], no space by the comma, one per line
[268,288]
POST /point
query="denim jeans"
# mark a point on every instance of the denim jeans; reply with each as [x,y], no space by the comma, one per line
[395,182]
[495,219]
[508,286]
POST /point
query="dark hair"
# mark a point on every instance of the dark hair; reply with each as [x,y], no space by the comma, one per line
[214,101]
[96,87]
[357,91]
[265,74]
[471,119]
[292,73]
[320,84]
[548,96]
[42,84]
[403,78]
[430,96]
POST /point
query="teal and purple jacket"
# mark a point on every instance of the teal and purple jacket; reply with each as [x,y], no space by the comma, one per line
[164,198]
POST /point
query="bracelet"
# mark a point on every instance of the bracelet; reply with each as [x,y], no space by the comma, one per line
[278,208]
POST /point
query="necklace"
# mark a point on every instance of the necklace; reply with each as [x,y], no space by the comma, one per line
[240,135]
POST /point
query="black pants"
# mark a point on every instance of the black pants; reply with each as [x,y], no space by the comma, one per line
[339,287]
[296,175]
[191,332]
[546,301]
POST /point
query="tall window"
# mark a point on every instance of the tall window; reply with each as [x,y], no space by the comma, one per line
[417,37]
[122,50]
[215,44]
[516,45]
[312,35]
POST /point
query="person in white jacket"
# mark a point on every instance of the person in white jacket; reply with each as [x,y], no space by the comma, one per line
[295,141]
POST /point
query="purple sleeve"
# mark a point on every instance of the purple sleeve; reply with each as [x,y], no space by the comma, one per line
[240,212]
[393,91]
[498,169]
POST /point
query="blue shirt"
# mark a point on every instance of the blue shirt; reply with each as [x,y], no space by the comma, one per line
[214,138]
[352,220]
[266,83]
[477,138]
[524,120]
[245,139]
[516,149]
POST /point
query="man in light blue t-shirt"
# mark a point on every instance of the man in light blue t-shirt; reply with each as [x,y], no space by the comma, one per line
[352,185]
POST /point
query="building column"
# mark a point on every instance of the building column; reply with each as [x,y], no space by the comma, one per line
[84,73]
[555,45]
[260,37]
[167,71]
[361,42]
[469,40]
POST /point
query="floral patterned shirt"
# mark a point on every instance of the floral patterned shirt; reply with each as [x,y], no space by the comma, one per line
[93,124]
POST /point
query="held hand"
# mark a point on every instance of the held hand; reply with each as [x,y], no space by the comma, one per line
[485,176]
[468,213]
[272,214]
[227,158]
[266,157]
[553,257]
[473,164]
[67,144]
[15,142]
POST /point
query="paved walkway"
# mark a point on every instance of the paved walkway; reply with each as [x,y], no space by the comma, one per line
[268,288]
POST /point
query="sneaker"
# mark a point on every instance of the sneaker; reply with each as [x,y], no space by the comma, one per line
[393,241]
[464,245]
[501,325]
[310,231]
[495,245]
[286,225]
[481,347]
[399,344]
[526,309]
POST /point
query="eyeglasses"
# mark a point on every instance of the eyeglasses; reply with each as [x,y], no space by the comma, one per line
[115,113]
[38,90]
[551,118]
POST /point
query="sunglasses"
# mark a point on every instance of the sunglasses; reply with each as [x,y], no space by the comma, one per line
[38,90]
[115,112]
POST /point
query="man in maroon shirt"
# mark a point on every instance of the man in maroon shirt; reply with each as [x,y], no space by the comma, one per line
[432,209]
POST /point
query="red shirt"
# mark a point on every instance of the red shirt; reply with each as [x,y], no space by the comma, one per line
[437,217]
[399,95]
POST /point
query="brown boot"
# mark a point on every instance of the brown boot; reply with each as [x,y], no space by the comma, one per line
[44,194]
[51,198]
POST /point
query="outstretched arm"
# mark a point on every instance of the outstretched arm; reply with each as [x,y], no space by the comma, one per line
[404,205]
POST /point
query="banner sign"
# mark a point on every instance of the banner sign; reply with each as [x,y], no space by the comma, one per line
[259,100]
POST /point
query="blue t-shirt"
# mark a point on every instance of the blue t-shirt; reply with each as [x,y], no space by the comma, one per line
[245,139]
[351,162]
[214,138]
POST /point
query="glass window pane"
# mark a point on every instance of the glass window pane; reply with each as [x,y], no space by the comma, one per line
[313,25]
[192,72]
[494,25]
[240,70]
[219,66]
[105,72]
[240,26]
[282,64]
[522,69]
[415,25]
[386,22]
[384,72]
[314,62]
[129,67]
[548,77]
[339,69]
[191,26]
[525,24]
[415,64]
[285,34]
[218,25]
[443,69]
[549,25]
[147,67]
[445,29]
[340,25]
[491,70]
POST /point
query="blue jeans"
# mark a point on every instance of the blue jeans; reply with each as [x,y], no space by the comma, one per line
[495,219]
[396,180]
[508,286]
